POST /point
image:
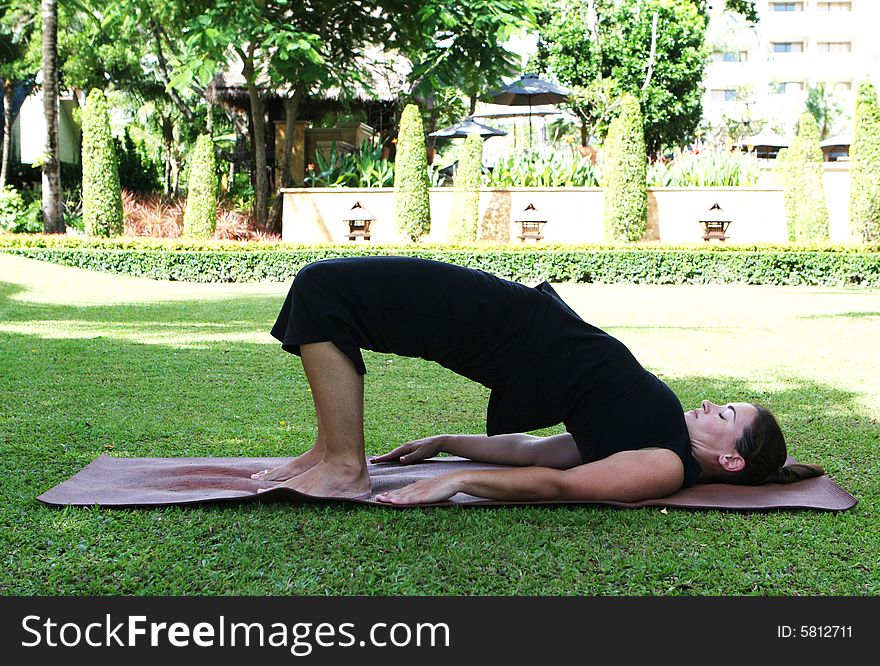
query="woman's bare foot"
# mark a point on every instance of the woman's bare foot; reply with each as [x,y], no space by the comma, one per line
[294,467]
[330,479]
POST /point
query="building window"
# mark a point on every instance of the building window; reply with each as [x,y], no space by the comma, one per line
[730,56]
[786,6]
[787,47]
[834,6]
[785,87]
[834,47]
[723,95]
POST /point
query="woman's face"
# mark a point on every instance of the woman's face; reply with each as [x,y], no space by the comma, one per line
[714,429]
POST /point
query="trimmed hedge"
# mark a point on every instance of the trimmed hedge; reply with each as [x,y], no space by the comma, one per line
[465,218]
[200,217]
[819,266]
[800,168]
[626,173]
[864,189]
[411,203]
[101,194]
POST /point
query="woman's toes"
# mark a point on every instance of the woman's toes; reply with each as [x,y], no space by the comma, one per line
[259,475]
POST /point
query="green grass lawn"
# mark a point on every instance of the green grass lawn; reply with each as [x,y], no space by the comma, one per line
[93,363]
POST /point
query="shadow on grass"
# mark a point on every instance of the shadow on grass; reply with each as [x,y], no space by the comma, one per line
[844,315]
[230,314]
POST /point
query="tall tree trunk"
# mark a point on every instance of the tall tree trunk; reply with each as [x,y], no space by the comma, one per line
[261,179]
[168,147]
[53,220]
[8,89]
[291,110]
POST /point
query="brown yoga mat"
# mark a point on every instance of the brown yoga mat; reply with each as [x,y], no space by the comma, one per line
[148,482]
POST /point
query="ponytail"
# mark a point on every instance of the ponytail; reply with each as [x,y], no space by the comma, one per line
[762,446]
[795,472]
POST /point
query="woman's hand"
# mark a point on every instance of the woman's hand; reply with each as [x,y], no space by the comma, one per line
[426,491]
[420,449]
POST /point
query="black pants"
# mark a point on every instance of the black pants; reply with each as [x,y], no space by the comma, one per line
[467,320]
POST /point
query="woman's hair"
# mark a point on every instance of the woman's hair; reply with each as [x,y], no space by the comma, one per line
[762,445]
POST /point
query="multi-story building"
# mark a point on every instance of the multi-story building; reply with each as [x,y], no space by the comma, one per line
[761,74]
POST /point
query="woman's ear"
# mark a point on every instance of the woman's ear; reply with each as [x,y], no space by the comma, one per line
[732,462]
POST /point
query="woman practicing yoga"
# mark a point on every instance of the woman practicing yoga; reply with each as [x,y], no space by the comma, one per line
[627,437]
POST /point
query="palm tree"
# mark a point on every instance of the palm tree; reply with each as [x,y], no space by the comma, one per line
[824,107]
[15,32]
[53,221]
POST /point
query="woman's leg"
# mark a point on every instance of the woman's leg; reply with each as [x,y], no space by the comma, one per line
[336,466]
[296,465]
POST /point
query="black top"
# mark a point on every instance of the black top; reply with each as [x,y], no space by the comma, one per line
[543,363]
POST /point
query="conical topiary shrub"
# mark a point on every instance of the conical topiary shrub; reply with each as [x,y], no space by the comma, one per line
[800,167]
[101,195]
[411,203]
[465,218]
[626,167]
[864,198]
[200,217]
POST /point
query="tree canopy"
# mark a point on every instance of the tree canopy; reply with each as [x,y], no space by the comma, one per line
[605,48]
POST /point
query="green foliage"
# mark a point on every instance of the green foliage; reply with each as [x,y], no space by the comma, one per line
[460,44]
[626,193]
[200,218]
[214,261]
[16,215]
[613,51]
[709,167]
[412,206]
[801,173]
[465,218]
[19,42]
[556,167]
[137,171]
[864,201]
[102,197]
[824,106]
[363,167]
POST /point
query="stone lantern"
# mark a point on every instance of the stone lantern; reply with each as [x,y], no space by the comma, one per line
[531,224]
[358,219]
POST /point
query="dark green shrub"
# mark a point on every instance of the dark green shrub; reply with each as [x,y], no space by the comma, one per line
[102,197]
[17,215]
[864,201]
[137,171]
[363,167]
[200,218]
[626,192]
[465,218]
[801,173]
[411,202]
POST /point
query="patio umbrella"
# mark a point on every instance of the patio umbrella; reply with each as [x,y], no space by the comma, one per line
[766,143]
[530,91]
[501,111]
[466,128]
[836,148]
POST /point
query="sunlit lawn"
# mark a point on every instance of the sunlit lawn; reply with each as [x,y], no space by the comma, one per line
[93,363]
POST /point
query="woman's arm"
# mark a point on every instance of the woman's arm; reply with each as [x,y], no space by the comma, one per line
[515,449]
[628,476]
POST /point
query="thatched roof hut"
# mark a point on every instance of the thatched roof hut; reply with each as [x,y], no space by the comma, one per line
[378,98]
